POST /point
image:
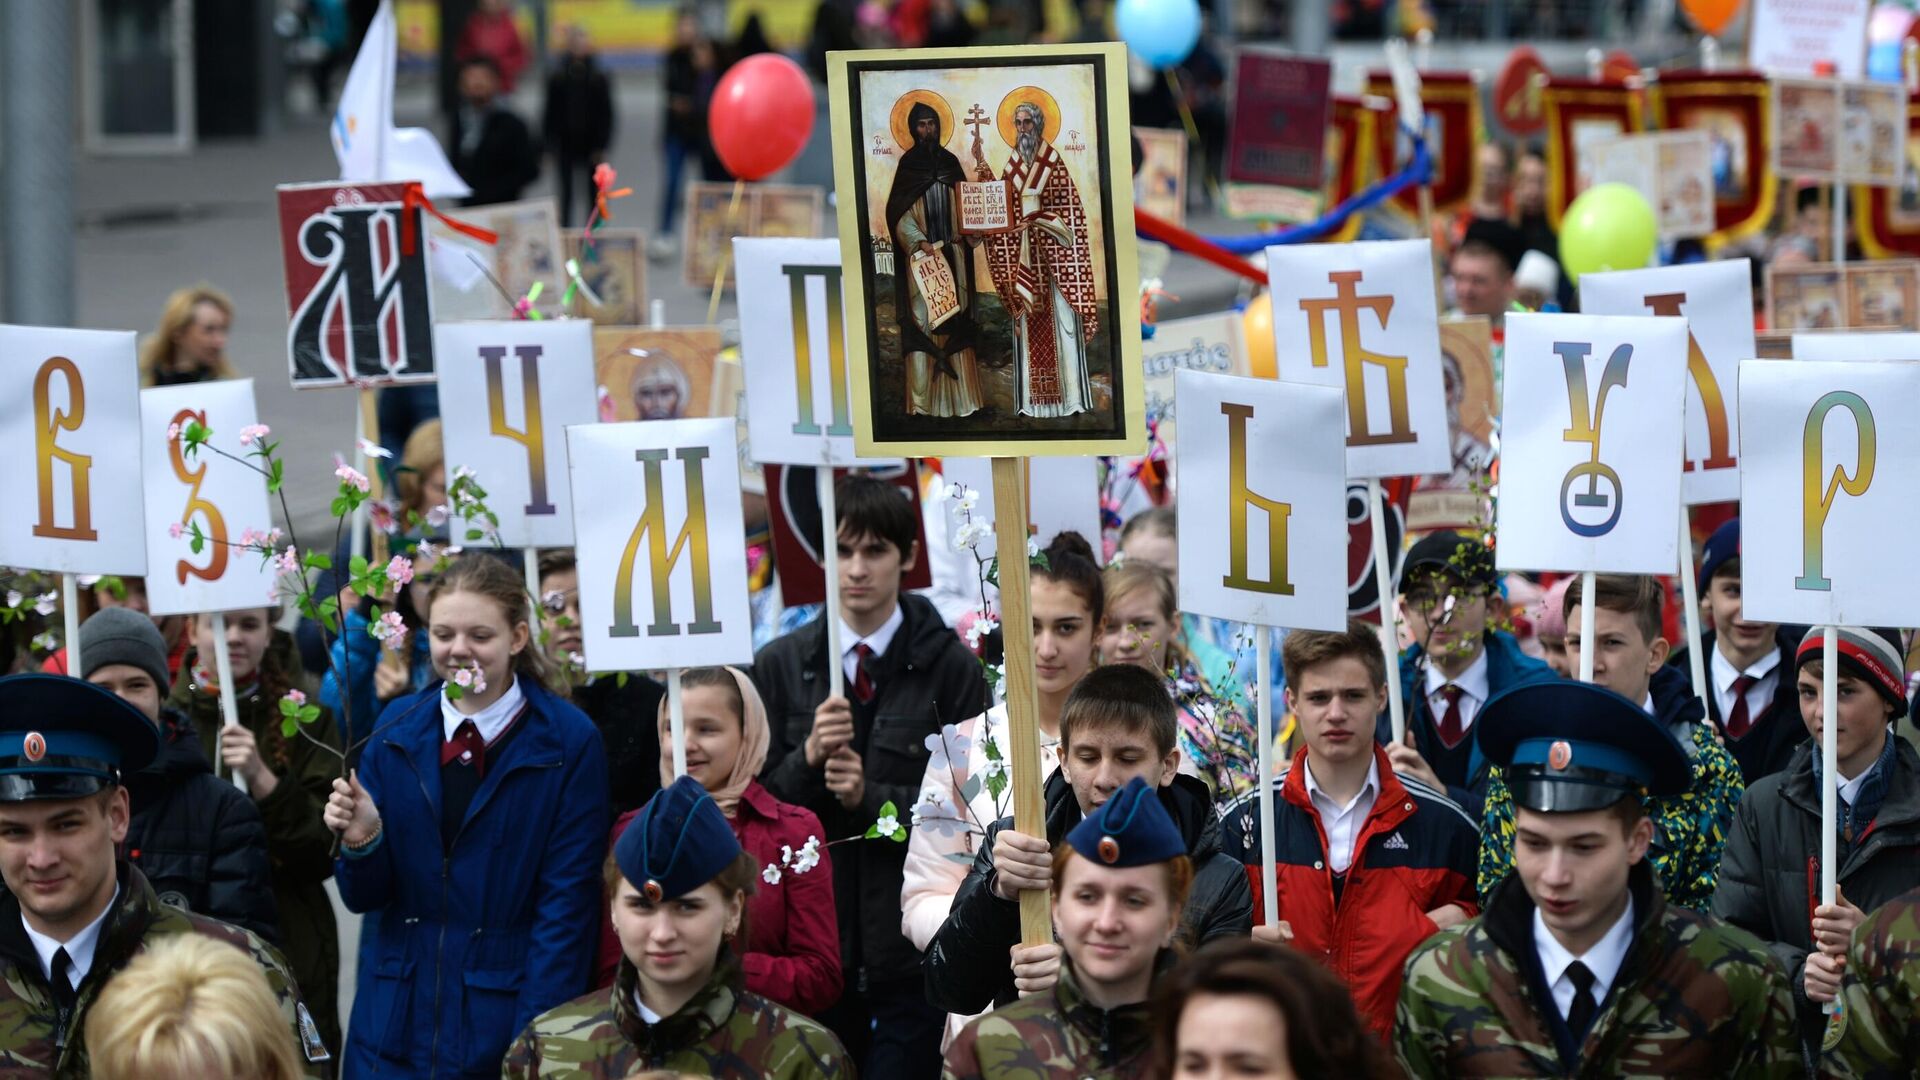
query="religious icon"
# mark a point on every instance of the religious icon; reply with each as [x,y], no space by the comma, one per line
[649,374]
[987,196]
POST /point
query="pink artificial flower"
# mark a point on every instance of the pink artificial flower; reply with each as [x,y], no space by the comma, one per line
[380,512]
[174,530]
[253,433]
[390,630]
[399,570]
[374,449]
[287,562]
[297,697]
[438,516]
[173,432]
[463,676]
[353,478]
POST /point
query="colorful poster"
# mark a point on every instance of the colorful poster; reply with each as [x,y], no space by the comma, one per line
[496,276]
[1212,343]
[1672,170]
[615,273]
[1277,134]
[1732,107]
[206,495]
[713,220]
[645,373]
[1808,296]
[1160,187]
[360,310]
[1046,357]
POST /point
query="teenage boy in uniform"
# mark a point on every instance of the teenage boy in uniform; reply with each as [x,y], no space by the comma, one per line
[1455,664]
[1878,1036]
[1755,705]
[844,757]
[1578,966]
[1118,724]
[1370,863]
[1630,659]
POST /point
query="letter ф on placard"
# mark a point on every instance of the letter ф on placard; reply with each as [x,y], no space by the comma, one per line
[1816,501]
[809,422]
[692,540]
[48,423]
[1355,356]
[532,438]
[216,523]
[1586,427]
[1240,499]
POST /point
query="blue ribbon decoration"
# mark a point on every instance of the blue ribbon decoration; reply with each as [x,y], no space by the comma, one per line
[1418,170]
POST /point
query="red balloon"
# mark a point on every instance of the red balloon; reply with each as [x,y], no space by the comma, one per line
[761,115]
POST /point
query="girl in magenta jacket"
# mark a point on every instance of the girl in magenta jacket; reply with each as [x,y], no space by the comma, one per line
[793,937]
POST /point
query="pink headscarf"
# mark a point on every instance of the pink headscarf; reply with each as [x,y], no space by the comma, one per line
[753,746]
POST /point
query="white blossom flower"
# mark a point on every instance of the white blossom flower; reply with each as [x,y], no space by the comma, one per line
[969,535]
[948,747]
[1033,546]
[14,598]
[374,449]
[936,815]
[967,498]
[771,875]
[887,826]
[45,603]
[993,768]
[982,625]
[808,856]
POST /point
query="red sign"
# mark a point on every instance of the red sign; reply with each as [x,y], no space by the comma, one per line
[1516,93]
[793,515]
[359,306]
[1281,109]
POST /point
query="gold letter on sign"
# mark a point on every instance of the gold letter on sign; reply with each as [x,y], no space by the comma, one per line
[1818,487]
[216,525]
[692,540]
[809,423]
[1239,499]
[1348,303]
[48,423]
[532,438]
[1719,445]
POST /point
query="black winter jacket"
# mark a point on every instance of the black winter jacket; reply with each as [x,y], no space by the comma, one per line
[1770,871]
[199,840]
[967,962]
[629,721]
[1776,733]
[924,680]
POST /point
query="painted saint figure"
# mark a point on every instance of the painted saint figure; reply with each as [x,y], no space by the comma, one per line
[923,217]
[1043,272]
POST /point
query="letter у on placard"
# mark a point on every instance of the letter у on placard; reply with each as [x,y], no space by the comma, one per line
[1586,428]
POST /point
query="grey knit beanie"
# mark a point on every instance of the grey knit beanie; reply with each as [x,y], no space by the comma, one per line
[123,636]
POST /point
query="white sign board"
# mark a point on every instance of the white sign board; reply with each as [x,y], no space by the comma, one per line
[1897,345]
[657,527]
[1591,443]
[1672,170]
[221,497]
[1789,37]
[1063,495]
[1211,343]
[1263,497]
[1361,317]
[70,404]
[508,392]
[1716,299]
[1826,492]
[793,350]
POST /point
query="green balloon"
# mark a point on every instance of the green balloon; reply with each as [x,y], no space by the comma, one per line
[1609,227]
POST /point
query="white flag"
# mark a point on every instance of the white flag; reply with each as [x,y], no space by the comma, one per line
[367,145]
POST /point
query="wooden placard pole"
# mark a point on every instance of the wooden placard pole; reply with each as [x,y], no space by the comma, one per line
[1263,696]
[70,617]
[1829,772]
[1586,626]
[1690,608]
[830,573]
[726,251]
[1016,635]
[676,723]
[223,670]
[1389,615]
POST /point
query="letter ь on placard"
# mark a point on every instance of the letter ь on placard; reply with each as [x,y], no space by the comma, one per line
[1591,443]
[657,526]
[1262,479]
[1826,500]
[69,402]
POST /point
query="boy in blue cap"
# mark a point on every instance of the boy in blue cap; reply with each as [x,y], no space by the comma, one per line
[73,913]
[1119,883]
[1579,966]
[679,883]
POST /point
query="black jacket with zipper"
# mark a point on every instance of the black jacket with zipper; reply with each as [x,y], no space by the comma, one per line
[967,963]
[1778,731]
[925,679]
[198,839]
[1770,871]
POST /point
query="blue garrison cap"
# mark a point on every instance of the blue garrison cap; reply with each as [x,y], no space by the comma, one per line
[1723,545]
[679,842]
[1131,829]
[1566,746]
[65,738]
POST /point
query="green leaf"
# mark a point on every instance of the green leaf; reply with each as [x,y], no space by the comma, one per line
[198,543]
[288,707]
[309,713]
[289,727]
[620,680]
[339,507]
[357,566]
[1039,560]
[315,560]
[275,475]
[474,534]
[114,585]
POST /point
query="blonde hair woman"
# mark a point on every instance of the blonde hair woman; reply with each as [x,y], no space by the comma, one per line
[190,1008]
[190,345]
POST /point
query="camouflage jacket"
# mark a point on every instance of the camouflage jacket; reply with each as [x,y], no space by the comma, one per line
[1689,831]
[35,1039]
[1879,1025]
[1055,1035]
[722,1032]
[1693,998]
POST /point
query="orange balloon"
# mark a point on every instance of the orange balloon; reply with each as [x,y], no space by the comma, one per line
[1258,321]
[1710,17]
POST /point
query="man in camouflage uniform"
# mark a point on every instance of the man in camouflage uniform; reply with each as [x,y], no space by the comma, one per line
[1877,1034]
[73,914]
[1578,966]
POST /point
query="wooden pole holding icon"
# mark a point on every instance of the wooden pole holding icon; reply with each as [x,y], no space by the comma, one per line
[223,670]
[726,252]
[1016,636]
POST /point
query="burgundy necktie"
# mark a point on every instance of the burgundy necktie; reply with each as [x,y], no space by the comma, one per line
[466,747]
[1452,730]
[1738,720]
[862,682]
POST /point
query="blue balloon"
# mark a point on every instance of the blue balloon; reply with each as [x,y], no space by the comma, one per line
[1161,32]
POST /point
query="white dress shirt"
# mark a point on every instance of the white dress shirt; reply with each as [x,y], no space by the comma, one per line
[1343,823]
[80,948]
[878,641]
[1473,691]
[1604,959]
[1766,677]
[490,721]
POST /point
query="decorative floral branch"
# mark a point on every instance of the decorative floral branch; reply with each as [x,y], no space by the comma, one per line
[885,827]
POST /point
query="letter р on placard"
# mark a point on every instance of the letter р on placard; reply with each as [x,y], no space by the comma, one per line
[1239,500]
[692,540]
